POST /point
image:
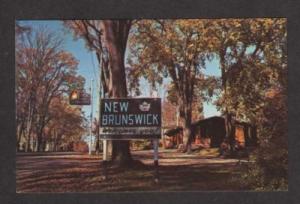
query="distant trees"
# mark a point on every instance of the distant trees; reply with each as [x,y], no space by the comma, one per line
[44,73]
[67,124]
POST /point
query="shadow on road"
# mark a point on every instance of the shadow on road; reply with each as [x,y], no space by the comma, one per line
[81,173]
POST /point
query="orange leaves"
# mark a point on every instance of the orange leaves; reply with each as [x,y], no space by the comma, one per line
[67,59]
[44,71]
[89,30]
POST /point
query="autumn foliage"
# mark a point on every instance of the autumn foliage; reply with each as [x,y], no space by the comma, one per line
[252,88]
[44,75]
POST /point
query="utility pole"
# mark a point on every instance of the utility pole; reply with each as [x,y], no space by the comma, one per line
[99,106]
[177,115]
[97,139]
[104,141]
[90,145]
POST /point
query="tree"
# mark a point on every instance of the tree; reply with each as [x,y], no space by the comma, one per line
[270,109]
[108,38]
[43,72]
[243,46]
[172,48]
[20,33]
[67,124]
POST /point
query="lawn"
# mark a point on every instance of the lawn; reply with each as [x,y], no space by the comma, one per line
[74,172]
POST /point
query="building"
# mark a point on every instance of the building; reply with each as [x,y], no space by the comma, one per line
[211,132]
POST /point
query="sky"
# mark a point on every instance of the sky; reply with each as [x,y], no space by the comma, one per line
[89,69]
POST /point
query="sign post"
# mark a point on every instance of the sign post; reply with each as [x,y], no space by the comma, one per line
[104,159]
[80,97]
[131,119]
[91,117]
[155,147]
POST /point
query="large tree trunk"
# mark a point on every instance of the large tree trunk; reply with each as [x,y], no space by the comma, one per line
[41,125]
[115,34]
[186,114]
[230,131]
[229,127]
[39,142]
[187,131]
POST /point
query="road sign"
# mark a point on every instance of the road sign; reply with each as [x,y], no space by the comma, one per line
[79,97]
[130,118]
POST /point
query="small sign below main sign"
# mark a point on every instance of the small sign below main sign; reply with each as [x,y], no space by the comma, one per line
[128,118]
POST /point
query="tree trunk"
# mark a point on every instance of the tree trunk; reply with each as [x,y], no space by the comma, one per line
[187,128]
[19,136]
[229,137]
[187,135]
[121,153]
[39,144]
[97,146]
[41,123]
[229,126]
[30,119]
[56,141]
[40,137]
[115,33]
[28,138]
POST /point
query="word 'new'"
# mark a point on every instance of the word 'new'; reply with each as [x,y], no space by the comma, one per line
[115,106]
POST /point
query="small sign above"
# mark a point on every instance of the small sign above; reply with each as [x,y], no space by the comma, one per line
[79,97]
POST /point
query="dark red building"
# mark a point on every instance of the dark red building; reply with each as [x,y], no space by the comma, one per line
[211,132]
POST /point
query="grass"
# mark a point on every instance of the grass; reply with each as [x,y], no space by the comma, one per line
[83,173]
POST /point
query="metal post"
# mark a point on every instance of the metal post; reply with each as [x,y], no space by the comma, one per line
[104,155]
[177,115]
[156,173]
[177,125]
[90,144]
[104,159]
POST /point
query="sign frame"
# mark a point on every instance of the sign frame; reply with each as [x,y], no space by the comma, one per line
[83,99]
[149,136]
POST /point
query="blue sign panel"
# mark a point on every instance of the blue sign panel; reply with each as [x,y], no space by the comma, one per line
[128,118]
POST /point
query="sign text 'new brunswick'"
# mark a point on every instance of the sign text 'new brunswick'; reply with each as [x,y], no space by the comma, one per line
[138,118]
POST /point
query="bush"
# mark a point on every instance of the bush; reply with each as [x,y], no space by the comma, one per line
[270,168]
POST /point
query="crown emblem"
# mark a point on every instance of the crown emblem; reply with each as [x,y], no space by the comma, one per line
[144,106]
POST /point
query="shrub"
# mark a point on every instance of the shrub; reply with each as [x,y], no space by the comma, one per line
[270,168]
